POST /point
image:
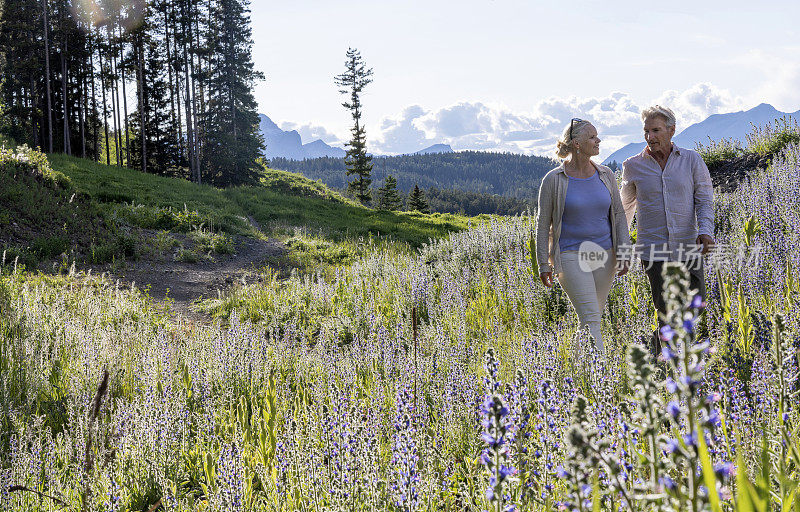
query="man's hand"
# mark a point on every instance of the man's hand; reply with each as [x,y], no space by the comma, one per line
[547,279]
[707,241]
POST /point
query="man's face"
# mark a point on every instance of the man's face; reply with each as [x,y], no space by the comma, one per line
[657,135]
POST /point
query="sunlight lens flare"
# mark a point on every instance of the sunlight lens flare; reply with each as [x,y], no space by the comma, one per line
[99,13]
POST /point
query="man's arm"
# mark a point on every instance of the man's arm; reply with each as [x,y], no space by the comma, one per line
[628,194]
[703,197]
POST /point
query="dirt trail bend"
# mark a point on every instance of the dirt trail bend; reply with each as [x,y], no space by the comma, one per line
[183,283]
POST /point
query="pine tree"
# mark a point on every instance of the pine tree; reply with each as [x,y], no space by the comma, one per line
[69,71]
[388,198]
[157,140]
[46,32]
[21,63]
[352,82]
[233,142]
[417,201]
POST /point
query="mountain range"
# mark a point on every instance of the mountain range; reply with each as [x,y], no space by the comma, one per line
[288,144]
[734,125]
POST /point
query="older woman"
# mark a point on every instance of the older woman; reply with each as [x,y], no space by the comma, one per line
[580,225]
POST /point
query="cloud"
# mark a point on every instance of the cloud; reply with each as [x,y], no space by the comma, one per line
[481,126]
[698,102]
[400,134]
[781,70]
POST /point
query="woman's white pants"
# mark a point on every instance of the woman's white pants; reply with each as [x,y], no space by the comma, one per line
[587,282]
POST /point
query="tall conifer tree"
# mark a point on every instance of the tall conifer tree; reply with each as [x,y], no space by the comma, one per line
[352,82]
[156,141]
[388,198]
[417,201]
[233,142]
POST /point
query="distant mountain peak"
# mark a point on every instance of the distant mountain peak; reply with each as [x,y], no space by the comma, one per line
[436,148]
[763,107]
[267,125]
[288,143]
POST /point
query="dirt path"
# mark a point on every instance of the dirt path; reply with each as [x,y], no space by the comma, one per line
[183,283]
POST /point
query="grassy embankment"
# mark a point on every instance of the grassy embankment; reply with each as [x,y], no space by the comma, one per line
[127,212]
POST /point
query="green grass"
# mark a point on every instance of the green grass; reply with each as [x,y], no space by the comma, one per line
[42,216]
[163,200]
[285,205]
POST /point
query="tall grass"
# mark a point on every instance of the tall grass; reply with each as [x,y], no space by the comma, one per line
[442,378]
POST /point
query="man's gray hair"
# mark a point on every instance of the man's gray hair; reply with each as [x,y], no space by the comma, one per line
[659,111]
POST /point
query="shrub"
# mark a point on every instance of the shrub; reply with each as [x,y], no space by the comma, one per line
[773,137]
[47,247]
[716,152]
[156,217]
[208,241]
[119,247]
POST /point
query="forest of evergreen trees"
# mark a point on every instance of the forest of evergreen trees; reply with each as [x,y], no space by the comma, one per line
[476,203]
[504,174]
[71,70]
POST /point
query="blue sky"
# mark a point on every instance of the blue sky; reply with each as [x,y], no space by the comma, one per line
[507,75]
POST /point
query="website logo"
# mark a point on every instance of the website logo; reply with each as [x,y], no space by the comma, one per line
[591,256]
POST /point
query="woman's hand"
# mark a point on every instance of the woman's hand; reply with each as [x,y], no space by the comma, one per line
[547,279]
[624,269]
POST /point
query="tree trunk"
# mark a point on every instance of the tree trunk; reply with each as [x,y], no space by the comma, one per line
[124,100]
[47,78]
[105,105]
[143,131]
[171,84]
[177,85]
[94,101]
[195,143]
[82,106]
[200,133]
[67,149]
[194,170]
[178,105]
[34,105]
[115,101]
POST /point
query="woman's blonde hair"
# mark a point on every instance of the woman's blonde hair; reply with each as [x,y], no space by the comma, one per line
[571,132]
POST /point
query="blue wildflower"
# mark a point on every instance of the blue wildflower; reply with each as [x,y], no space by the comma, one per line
[674,409]
[723,470]
[667,483]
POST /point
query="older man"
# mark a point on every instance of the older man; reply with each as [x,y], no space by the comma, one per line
[669,190]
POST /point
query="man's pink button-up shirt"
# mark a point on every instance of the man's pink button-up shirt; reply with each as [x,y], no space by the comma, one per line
[672,206]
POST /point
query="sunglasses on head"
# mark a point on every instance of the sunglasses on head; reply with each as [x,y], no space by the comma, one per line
[572,124]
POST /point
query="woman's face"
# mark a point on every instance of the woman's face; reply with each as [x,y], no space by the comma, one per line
[588,142]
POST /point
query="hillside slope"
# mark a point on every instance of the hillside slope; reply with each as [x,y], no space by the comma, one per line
[282,202]
[127,203]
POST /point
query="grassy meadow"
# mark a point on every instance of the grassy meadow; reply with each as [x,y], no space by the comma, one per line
[318,225]
[441,376]
[94,213]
